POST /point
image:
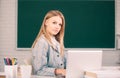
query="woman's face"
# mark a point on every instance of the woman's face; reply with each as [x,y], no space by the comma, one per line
[53,25]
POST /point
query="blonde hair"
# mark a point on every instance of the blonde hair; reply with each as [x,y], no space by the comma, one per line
[59,37]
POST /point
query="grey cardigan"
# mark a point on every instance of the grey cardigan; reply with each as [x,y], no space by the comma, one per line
[46,59]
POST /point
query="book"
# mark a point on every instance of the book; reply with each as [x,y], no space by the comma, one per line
[102,74]
[2,75]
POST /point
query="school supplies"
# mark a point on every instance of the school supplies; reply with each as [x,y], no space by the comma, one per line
[10,67]
[11,71]
[10,61]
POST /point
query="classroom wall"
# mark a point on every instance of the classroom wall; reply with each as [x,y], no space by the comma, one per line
[8,24]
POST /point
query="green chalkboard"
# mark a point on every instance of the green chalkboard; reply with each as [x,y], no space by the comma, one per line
[89,23]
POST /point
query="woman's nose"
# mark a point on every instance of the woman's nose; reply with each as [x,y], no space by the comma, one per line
[57,26]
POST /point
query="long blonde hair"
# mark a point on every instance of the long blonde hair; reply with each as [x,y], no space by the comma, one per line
[59,37]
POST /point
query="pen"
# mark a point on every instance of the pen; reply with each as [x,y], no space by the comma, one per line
[10,62]
[5,61]
[13,61]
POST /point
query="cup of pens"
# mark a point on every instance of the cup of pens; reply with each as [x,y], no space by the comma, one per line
[10,67]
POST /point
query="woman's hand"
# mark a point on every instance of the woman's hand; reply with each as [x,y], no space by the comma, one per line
[60,71]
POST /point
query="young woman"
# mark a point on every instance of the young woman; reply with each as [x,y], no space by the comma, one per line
[48,49]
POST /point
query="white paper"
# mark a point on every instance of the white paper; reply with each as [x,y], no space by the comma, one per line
[25,71]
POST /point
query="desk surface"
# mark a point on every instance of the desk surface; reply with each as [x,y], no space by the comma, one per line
[111,69]
[34,76]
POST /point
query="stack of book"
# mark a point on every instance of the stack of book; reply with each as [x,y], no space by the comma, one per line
[102,73]
[2,75]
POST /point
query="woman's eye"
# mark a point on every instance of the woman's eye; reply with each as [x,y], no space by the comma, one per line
[54,22]
[60,24]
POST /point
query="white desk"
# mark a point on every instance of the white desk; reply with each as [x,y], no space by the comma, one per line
[35,76]
[105,72]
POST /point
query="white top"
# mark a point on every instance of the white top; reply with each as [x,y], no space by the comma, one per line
[56,44]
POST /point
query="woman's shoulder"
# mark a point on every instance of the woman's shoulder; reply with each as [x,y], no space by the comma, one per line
[42,40]
[41,43]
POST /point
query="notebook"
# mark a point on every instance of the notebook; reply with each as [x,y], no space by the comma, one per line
[78,61]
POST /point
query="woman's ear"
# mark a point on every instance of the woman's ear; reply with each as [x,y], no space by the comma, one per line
[46,22]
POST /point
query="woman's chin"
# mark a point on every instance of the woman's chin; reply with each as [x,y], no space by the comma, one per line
[55,33]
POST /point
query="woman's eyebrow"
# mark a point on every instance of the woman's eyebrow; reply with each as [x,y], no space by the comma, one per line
[56,21]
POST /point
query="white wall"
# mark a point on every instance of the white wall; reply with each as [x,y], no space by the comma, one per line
[117,16]
[8,24]
[8,19]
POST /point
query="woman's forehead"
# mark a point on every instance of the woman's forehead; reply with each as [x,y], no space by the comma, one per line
[55,18]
